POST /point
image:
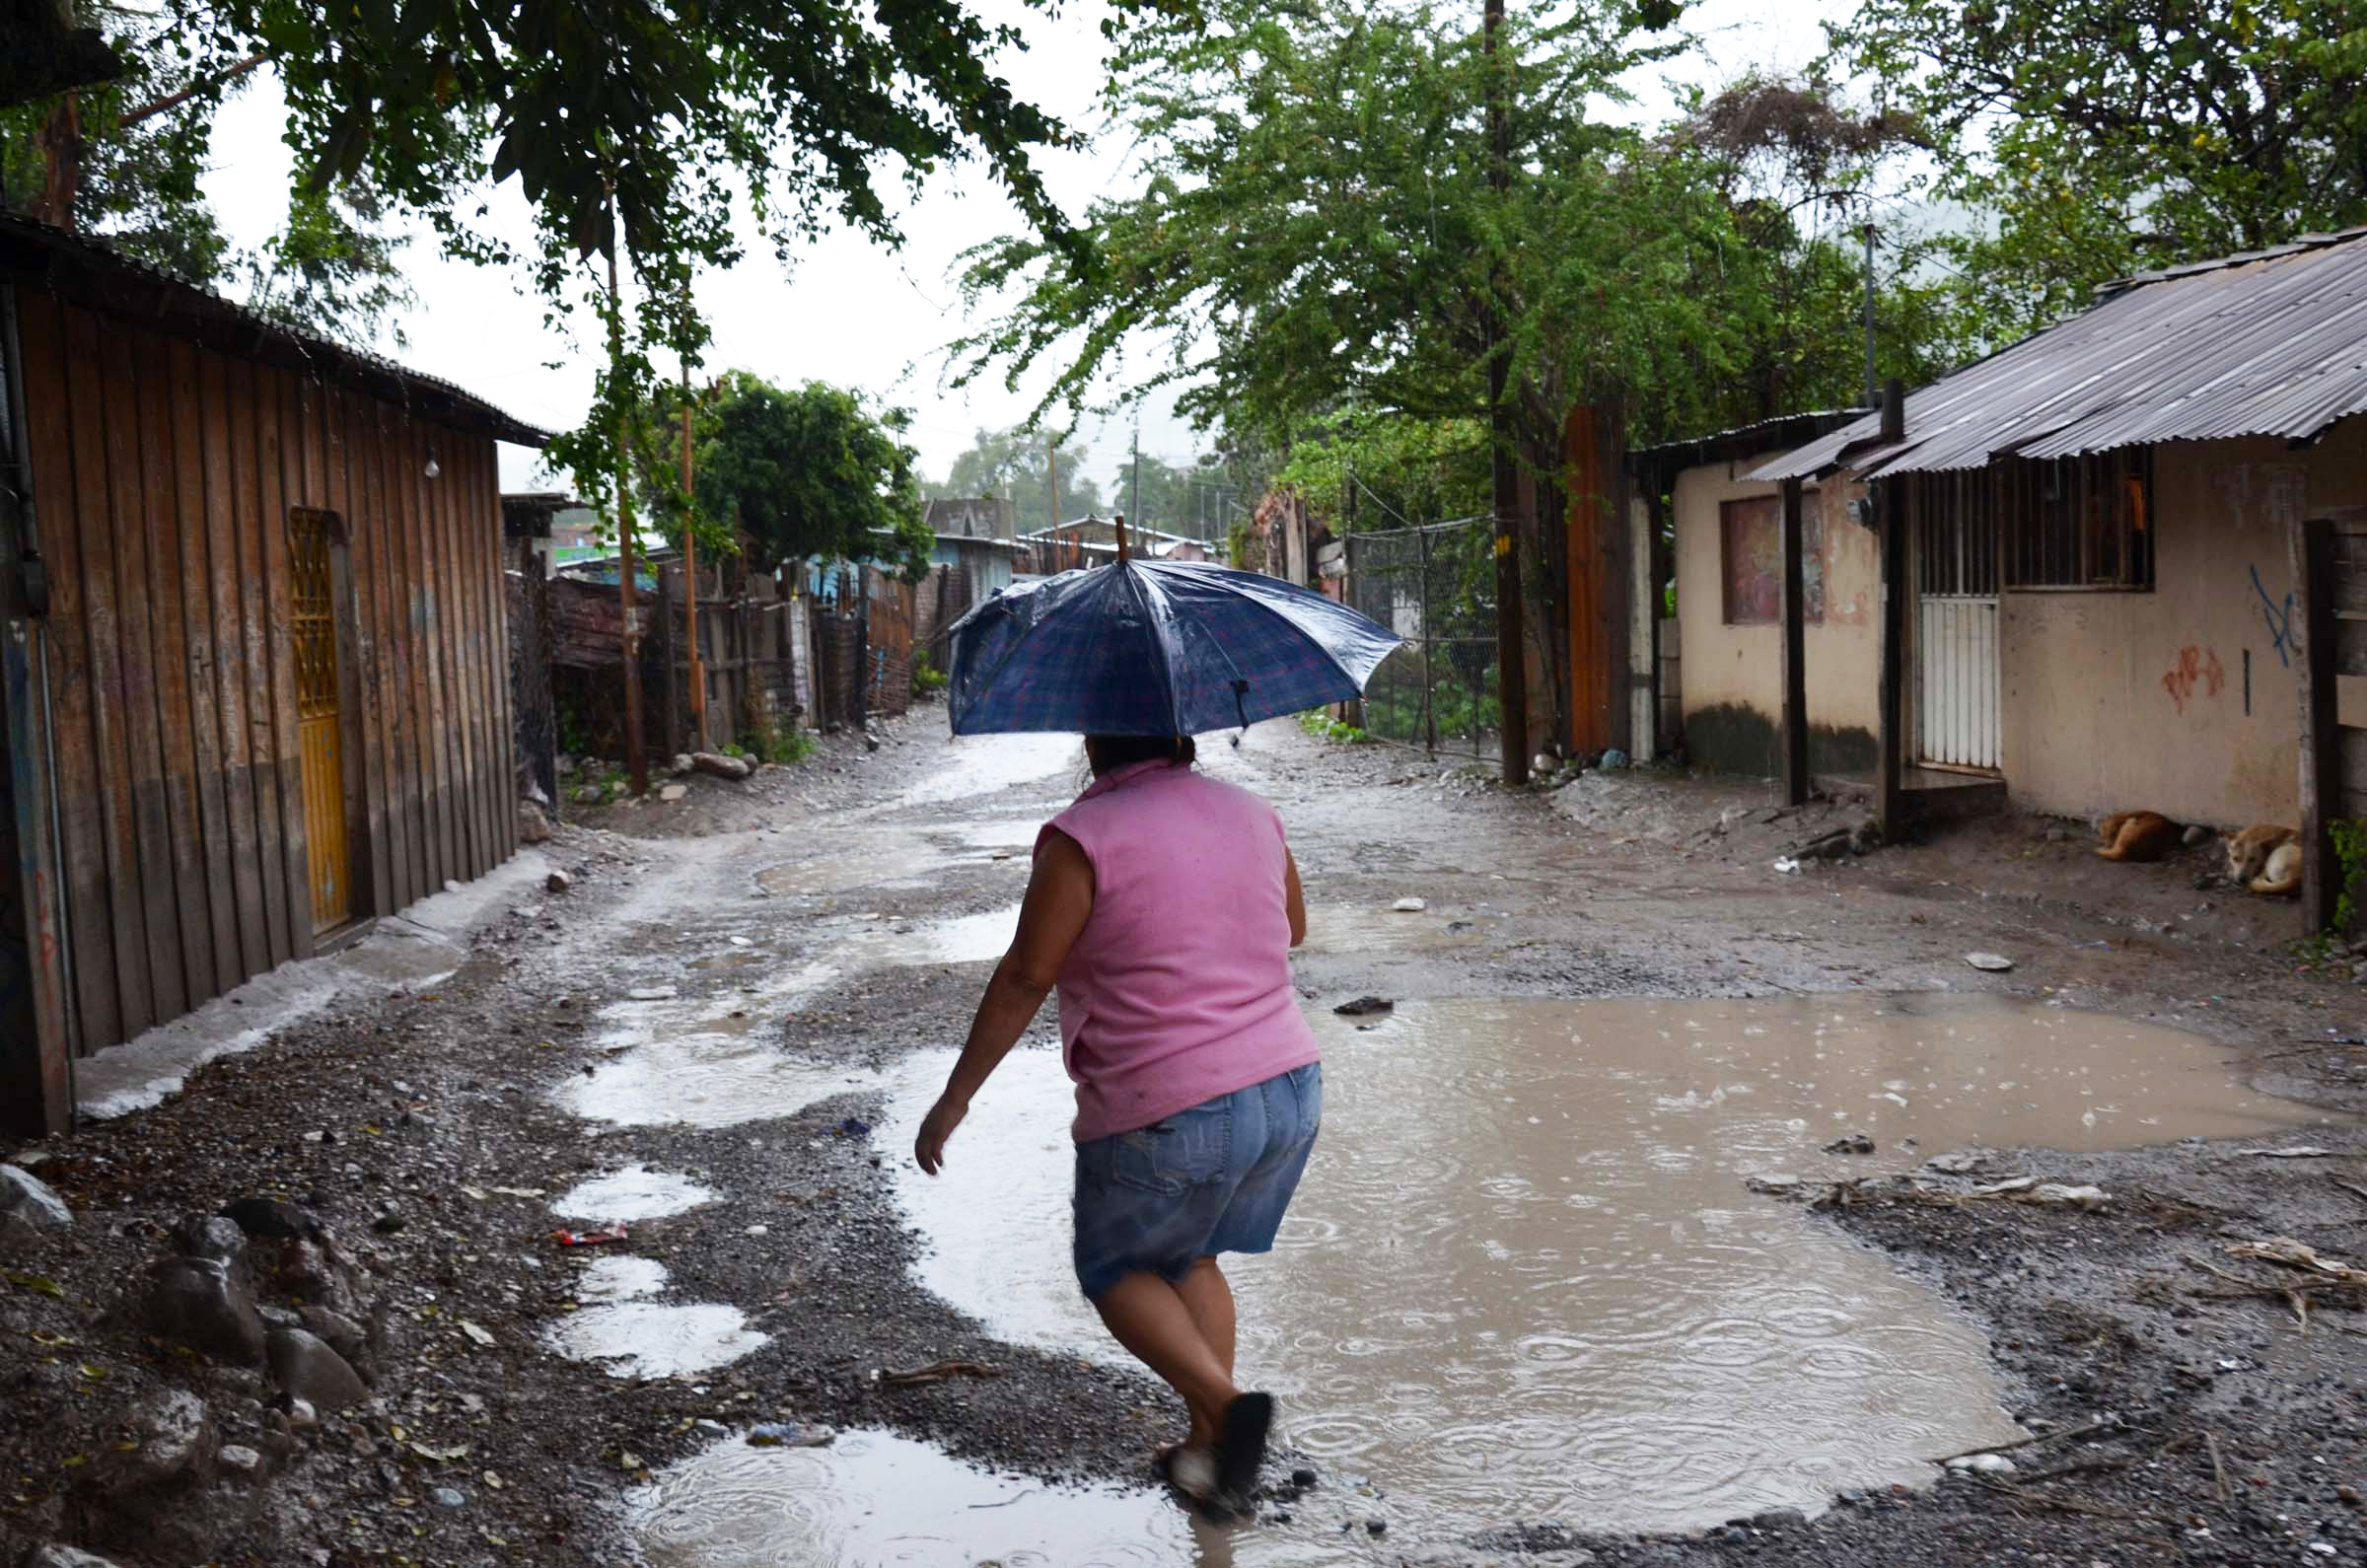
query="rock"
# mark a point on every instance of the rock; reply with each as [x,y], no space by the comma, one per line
[672,792]
[2059,835]
[590,795]
[171,1439]
[1409,906]
[1965,1163]
[206,1304]
[1851,1143]
[54,1556]
[27,1199]
[209,1236]
[684,762]
[871,742]
[558,882]
[2196,833]
[318,1275]
[1540,763]
[240,1461]
[270,1219]
[534,824]
[448,1497]
[1778,1519]
[716,766]
[1984,1464]
[1995,962]
[1303,1478]
[2085,1197]
[1614,759]
[302,1417]
[1364,1006]
[307,1369]
[1775,1184]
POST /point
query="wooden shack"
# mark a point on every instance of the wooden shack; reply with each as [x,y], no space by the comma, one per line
[254,658]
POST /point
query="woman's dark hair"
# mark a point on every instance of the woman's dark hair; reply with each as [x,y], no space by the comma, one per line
[1108,753]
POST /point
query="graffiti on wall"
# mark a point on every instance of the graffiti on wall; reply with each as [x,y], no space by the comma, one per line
[2197,668]
[2280,619]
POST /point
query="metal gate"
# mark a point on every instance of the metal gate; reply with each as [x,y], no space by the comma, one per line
[312,620]
[1956,622]
[1435,586]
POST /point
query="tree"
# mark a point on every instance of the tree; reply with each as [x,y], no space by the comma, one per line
[2096,138]
[811,473]
[1379,470]
[1162,494]
[124,161]
[1016,465]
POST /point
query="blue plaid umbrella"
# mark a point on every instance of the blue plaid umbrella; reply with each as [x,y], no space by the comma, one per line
[1155,648]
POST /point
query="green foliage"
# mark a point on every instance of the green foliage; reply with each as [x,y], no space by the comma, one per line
[1164,495]
[1324,727]
[783,744]
[134,153]
[810,473]
[1399,468]
[735,749]
[928,679]
[2350,835]
[2093,139]
[1015,464]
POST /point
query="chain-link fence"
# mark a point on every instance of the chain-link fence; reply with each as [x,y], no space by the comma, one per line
[1435,586]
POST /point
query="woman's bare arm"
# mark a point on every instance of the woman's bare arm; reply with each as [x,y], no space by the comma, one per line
[1060,902]
[1294,897]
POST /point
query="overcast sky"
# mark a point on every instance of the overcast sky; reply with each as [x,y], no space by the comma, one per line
[848,312]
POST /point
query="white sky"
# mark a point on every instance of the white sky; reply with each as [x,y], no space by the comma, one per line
[848,312]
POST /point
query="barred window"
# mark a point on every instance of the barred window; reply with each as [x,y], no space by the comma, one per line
[2084,522]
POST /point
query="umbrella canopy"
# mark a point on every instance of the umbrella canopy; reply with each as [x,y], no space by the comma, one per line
[1155,648]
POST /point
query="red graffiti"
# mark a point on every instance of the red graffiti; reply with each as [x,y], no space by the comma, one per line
[2195,667]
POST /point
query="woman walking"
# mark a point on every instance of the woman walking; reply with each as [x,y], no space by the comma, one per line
[1163,905]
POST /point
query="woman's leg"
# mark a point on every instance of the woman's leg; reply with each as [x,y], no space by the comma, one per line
[1153,1320]
[1208,1295]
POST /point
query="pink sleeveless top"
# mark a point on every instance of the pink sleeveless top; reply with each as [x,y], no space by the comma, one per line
[1178,988]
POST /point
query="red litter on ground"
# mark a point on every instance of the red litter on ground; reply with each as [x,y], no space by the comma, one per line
[613,1233]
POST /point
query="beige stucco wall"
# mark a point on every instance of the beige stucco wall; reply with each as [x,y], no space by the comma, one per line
[1739,667]
[2123,702]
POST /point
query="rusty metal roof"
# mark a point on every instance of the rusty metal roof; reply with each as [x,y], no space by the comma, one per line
[2265,343]
[88,270]
[1741,441]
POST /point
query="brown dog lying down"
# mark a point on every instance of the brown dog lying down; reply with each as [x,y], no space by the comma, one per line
[2138,836]
[2265,859]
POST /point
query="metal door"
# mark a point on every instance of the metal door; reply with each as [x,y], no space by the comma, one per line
[312,618]
[1956,622]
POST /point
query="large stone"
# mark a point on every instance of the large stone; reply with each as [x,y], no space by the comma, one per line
[270,1219]
[26,1199]
[534,824]
[341,1335]
[204,1303]
[717,765]
[316,1274]
[209,1236]
[65,1557]
[307,1369]
[172,1440]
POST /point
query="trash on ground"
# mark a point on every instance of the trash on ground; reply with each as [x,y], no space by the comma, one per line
[1994,962]
[1787,863]
[475,1333]
[1410,906]
[2305,1152]
[1364,1006]
[934,1372]
[613,1233]
[2021,1184]
[788,1435]
[1982,1465]
[2086,1197]
[2297,1255]
[852,1127]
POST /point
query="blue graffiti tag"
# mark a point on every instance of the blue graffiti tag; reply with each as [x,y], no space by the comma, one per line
[2280,618]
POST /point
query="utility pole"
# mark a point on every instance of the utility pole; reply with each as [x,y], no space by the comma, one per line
[1134,495]
[636,753]
[698,681]
[1051,466]
[1511,670]
[1873,394]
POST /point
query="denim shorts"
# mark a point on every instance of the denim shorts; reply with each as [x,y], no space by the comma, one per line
[1214,1178]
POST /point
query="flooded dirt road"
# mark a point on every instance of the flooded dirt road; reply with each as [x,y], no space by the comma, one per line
[1553,1290]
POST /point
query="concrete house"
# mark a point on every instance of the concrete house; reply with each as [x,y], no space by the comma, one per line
[2093,536]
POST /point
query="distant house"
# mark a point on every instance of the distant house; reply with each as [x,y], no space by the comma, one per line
[1093,541]
[2091,540]
[253,687]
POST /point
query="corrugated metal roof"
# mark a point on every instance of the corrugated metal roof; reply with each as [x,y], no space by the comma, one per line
[1742,441]
[89,265]
[2267,343]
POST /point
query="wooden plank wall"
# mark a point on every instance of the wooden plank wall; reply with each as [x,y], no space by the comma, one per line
[163,472]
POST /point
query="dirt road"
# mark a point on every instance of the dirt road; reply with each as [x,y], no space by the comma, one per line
[1596,1339]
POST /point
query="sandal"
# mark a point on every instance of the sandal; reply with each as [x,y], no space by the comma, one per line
[1241,1448]
[1192,1472]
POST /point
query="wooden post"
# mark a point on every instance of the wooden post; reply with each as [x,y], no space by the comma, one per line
[1792,659]
[1890,738]
[1120,520]
[1512,653]
[637,749]
[698,683]
[2313,553]
[669,704]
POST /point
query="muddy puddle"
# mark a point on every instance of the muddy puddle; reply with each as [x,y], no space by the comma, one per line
[1347,928]
[632,1336]
[987,764]
[635,1192]
[871,942]
[876,1497]
[1524,1279]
